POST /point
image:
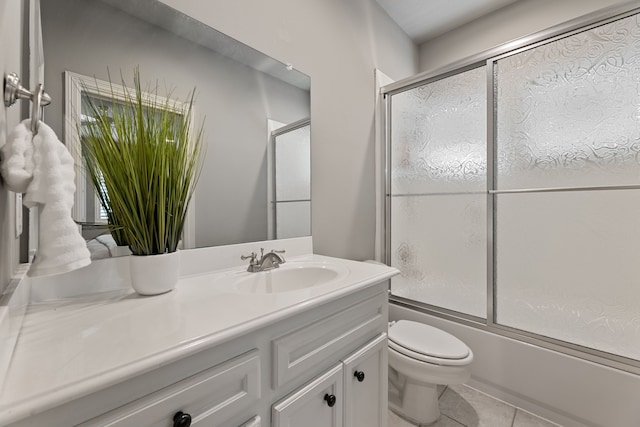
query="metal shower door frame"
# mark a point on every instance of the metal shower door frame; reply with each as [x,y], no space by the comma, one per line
[489,59]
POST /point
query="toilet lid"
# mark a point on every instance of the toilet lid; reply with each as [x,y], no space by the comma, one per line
[427,340]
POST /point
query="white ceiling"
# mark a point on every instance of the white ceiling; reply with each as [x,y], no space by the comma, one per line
[425,19]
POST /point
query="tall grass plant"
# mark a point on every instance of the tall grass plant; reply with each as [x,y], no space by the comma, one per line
[144,161]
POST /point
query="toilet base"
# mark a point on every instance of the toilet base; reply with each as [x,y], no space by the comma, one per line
[414,375]
[416,402]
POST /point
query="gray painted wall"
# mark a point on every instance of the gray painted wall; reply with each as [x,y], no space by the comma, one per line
[338,43]
[11,18]
[231,198]
[514,21]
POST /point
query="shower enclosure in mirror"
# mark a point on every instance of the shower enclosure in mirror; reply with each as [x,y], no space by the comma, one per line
[513,190]
[238,89]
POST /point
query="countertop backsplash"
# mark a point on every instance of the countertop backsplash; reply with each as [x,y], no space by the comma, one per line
[111,274]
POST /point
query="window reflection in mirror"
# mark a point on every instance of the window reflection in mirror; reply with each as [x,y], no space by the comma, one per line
[94,212]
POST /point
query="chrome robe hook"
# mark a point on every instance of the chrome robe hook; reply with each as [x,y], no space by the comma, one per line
[13,91]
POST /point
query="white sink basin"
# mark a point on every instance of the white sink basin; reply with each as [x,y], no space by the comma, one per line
[290,277]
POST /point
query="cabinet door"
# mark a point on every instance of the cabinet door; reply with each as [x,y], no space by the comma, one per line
[317,404]
[365,385]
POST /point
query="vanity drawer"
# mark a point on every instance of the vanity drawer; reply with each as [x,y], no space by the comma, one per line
[303,350]
[210,397]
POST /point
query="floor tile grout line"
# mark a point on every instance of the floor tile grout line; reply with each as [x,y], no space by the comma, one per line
[537,416]
[517,408]
[513,420]
[443,391]
[490,396]
[454,420]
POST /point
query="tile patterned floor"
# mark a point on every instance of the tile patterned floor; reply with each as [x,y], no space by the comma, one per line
[462,406]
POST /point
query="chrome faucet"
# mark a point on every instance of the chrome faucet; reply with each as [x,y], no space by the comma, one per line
[267,261]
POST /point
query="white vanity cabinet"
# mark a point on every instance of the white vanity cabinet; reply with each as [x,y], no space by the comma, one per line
[351,394]
[320,365]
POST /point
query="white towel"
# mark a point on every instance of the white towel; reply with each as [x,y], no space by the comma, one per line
[42,168]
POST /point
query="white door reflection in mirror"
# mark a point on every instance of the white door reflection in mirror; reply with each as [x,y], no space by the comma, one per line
[291,172]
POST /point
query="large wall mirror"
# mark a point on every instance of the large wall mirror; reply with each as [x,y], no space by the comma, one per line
[256,176]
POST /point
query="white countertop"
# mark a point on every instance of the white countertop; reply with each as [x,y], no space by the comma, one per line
[68,349]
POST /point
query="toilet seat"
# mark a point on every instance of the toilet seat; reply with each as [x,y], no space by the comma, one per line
[428,344]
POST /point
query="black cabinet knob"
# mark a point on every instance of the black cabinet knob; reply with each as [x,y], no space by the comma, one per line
[180,419]
[330,399]
[359,376]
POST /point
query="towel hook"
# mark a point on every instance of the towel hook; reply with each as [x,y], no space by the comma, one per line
[13,91]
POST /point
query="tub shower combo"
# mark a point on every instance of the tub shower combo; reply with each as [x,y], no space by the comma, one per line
[513,190]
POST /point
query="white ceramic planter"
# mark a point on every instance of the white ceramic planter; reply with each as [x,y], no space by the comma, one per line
[154,274]
[120,251]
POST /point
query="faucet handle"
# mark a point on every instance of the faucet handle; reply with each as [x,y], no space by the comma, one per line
[253,256]
[253,262]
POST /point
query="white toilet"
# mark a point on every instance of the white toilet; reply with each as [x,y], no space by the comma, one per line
[420,357]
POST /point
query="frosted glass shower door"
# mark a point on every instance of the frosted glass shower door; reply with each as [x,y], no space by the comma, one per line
[292,182]
[438,193]
[567,236]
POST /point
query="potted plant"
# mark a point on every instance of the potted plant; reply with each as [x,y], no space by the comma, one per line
[144,160]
